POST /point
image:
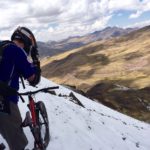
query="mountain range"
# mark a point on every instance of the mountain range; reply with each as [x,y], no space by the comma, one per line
[51,48]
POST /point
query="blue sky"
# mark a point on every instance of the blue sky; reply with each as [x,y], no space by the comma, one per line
[122,19]
[59,19]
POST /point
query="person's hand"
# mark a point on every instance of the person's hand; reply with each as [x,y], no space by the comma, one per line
[36,63]
[35,57]
[34,54]
[35,78]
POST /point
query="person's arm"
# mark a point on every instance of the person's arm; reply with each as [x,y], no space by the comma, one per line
[28,70]
[33,80]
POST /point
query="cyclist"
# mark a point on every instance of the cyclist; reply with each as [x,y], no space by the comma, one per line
[13,65]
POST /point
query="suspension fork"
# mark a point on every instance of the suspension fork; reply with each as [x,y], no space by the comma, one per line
[32,109]
[34,128]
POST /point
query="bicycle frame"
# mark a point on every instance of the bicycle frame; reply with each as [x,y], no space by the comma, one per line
[34,127]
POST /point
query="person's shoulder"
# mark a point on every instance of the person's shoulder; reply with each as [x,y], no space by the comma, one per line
[13,46]
[13,50]
[10,45]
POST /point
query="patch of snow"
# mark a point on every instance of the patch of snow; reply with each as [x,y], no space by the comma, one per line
[95,127]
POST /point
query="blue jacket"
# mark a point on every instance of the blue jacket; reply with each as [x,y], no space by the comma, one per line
[13,65]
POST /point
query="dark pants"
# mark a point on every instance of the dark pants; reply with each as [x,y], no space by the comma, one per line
[11,130]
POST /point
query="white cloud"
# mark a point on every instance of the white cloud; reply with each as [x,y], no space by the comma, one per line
[57,19]
[139,24]
[115,5]
[142,7]
[136,15]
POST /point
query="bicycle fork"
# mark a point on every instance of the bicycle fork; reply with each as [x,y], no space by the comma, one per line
[35,127]
[31,121]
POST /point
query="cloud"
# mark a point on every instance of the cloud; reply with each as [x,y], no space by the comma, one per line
[135,15]
[139,24]
[115,5]
[69,16]
[143,6]
[54,20]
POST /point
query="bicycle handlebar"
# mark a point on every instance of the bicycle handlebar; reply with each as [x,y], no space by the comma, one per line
[45,90]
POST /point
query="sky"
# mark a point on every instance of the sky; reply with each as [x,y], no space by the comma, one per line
[59,19]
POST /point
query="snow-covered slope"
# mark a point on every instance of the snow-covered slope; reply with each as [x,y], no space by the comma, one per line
[94,127]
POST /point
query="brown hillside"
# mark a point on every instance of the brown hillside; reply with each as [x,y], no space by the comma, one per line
[125,58]
[99,68]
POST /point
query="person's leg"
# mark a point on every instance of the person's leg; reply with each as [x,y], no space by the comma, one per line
[11,130]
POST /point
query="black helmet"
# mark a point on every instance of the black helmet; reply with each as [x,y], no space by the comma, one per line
[26,36]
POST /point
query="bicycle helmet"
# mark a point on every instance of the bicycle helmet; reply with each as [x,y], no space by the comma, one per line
[24,35]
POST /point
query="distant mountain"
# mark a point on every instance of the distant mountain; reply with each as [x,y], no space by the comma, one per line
[45,49]
[108,33]
[52,48]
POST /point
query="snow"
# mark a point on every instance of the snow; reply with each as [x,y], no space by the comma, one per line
[94,127]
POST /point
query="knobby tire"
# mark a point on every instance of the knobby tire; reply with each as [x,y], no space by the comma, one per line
[43,123]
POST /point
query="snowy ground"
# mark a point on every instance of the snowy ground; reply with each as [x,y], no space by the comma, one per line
[94,127]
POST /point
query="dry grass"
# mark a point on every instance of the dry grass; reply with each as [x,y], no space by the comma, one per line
[125,58]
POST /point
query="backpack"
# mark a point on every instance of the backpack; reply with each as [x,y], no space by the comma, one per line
[4,87]
[3,45]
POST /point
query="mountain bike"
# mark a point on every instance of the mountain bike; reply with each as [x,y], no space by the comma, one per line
[37,119]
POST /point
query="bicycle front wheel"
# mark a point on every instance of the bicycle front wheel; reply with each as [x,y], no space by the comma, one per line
[43,123]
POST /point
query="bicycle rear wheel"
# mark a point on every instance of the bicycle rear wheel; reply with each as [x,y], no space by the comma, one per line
[43,123]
